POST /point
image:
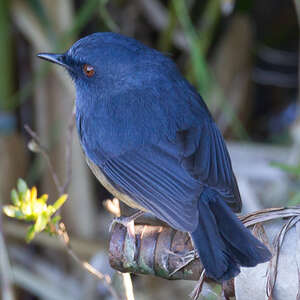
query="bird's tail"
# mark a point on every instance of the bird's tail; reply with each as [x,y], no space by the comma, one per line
[222,241]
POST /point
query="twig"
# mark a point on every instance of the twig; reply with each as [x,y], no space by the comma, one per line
[127,282]
[36,146]
[269,214]
[198,288]
[63,234]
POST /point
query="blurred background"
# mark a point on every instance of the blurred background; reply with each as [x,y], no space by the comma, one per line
[241,55]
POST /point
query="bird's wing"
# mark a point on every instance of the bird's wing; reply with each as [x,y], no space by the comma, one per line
[205,157]
[153,177]
[167,178]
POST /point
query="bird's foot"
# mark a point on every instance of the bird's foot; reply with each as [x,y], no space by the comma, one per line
[185,259]
[127,222]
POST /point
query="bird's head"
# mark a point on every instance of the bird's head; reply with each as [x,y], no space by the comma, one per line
[111,61]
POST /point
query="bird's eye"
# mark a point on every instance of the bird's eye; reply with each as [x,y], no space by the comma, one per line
[88,70]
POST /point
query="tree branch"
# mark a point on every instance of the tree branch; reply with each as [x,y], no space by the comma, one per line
[164,252]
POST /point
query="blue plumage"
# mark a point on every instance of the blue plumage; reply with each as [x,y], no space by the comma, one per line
[149,137]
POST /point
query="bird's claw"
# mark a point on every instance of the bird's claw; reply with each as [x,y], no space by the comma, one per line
[127,222]
[185,259]
[120,220]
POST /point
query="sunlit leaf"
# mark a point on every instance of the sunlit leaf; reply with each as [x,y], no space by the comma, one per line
[22,186]
[33,194]
[15,197]
[26,208]
[38,207]
[44,198]
[55,220]
[50,210]
[30,234]
[29,208]
[27,196]
[19,215]
[10,210]
[41,222]
[60,201]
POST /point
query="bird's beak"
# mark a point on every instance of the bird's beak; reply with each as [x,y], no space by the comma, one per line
[55,58]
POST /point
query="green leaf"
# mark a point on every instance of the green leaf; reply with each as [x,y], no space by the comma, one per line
[26,208]
[50,210]
[19,215]
[29,208]
[55,220]
[41,222]
[28,218]
[60,201]
[44,198]
[10,210]
[295,200]
[38,207]
[294,170]
[15,197]
[30,234]
[22,186]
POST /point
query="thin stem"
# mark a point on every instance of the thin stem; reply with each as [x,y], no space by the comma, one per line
[127,282]
[64,237]
[37,146]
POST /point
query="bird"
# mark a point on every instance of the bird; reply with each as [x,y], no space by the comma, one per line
[151,141]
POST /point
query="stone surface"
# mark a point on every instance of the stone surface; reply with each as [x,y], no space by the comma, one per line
[251,283]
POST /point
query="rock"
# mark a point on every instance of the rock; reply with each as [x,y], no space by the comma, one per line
[251,282]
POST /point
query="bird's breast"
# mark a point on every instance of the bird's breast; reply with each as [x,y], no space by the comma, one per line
[106,183]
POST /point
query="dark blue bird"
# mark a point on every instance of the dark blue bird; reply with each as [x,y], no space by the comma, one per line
[151,141]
